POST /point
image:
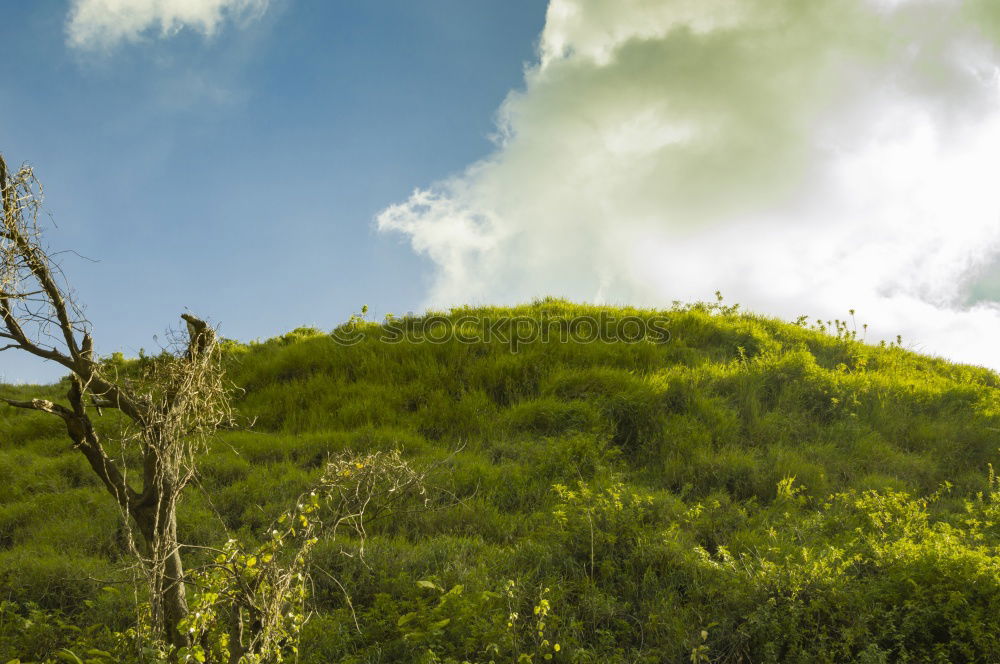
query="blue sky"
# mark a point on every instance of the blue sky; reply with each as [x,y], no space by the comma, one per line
[275,163]
[238,174]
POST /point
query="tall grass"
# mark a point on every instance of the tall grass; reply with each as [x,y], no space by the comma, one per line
[756,479]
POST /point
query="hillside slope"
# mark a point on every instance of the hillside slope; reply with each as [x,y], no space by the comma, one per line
[741,489]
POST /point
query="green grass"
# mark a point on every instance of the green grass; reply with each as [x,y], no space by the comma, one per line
[677,513]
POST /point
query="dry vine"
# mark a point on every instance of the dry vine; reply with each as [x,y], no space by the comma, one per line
[249,606]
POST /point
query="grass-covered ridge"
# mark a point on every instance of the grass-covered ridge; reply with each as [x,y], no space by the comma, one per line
[748,490]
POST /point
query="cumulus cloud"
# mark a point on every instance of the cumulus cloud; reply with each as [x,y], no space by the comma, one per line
[802,157]
[102,24]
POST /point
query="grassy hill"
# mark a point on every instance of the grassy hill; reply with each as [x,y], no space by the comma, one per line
[746,490]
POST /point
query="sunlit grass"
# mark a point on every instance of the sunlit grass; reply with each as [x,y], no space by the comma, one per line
[707,428]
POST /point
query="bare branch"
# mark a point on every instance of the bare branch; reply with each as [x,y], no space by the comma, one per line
[16,332]
[43,405]
[81,432]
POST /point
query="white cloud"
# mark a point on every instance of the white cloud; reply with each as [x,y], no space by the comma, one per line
[803,157]
[103,24]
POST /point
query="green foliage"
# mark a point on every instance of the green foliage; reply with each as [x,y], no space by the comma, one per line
[750,490]
[600,524]
[29,633]
[240,592]
[453,627]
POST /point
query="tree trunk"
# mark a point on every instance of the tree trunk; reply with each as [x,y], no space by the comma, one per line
[174,600]
[171,603]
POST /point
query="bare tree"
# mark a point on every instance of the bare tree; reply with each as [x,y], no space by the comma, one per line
[170,403]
